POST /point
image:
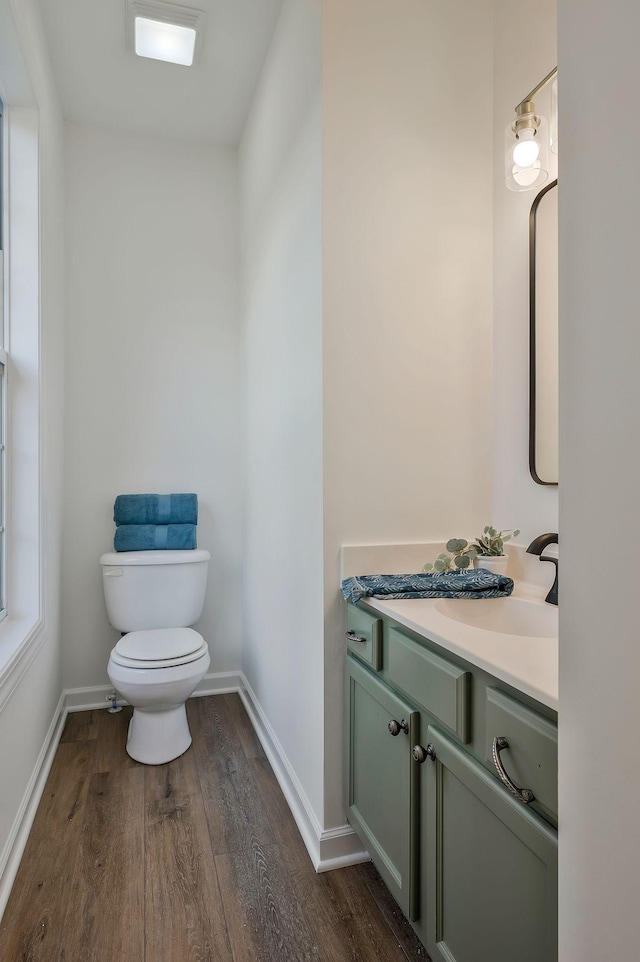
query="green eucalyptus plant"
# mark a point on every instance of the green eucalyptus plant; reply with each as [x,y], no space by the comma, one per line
[461,554]
[491,543]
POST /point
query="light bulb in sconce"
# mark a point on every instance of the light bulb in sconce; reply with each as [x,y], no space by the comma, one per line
[526,145]
[526,177]
[527,149]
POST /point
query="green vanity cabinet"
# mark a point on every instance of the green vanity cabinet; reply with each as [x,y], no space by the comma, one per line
[490,866]
[382,781]
[471,865]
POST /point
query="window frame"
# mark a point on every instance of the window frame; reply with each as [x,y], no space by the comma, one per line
[3,377]
[22,630]
[3,475]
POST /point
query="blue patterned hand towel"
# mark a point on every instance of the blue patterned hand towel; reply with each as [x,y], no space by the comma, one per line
[478,583]
[156,509]
[155,537]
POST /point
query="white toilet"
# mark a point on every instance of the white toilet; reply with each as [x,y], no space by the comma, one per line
[153,596]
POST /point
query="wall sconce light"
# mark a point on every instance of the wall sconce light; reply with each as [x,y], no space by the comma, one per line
[527,142]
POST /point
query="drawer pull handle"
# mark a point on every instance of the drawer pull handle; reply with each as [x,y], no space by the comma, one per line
[525,795]
[396,727]
[351,636]
[421,754]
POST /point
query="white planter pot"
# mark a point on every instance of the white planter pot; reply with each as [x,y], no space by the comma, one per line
[497,564]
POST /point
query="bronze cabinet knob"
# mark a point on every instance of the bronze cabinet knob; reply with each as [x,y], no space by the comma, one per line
[396,727]
[421,754]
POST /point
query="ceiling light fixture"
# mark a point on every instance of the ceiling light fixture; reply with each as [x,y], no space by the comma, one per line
[164,41]
[164,31]
[526,153]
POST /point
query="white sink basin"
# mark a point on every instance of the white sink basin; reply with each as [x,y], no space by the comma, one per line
[504,616]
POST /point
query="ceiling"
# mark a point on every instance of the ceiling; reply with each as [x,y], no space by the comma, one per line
[101,82]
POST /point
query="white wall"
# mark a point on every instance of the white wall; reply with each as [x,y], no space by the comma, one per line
[280,180]
[518,502]
[600,472]
[25,718]
[152,368]
[407,248]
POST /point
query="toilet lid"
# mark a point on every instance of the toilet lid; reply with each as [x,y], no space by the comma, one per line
[155,664]
[159,644]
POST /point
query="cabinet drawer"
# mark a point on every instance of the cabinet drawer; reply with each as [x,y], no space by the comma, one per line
[436,683]
[531,758]
[364,636]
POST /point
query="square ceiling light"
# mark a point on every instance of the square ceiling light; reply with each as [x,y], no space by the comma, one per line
[164,41]
[164,31]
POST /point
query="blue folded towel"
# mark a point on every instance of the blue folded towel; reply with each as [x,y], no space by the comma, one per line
[478,583]
[156,509]
[155,537]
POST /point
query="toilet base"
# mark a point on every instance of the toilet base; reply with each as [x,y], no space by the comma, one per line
[157,737]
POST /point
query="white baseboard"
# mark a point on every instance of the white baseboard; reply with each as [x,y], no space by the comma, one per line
[340,847]
[327,848]
[85,699]
[218,683]
[15,844]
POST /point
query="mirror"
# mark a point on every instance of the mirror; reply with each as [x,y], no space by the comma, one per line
[543,336]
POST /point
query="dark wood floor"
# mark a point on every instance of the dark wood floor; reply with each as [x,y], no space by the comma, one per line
[197,860]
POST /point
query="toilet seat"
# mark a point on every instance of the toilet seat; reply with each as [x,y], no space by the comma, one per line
[159,648]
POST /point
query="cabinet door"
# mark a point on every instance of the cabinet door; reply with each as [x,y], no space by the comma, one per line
[382,783]
[491,866]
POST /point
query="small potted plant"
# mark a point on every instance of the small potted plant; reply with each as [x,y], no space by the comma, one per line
[490,549]
[461,556]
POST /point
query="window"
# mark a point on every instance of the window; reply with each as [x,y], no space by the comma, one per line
[22,631]
[3,379]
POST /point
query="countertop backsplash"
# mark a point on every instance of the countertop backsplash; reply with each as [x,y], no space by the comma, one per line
[395,559]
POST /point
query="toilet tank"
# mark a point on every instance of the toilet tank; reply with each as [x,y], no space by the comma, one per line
[154,589]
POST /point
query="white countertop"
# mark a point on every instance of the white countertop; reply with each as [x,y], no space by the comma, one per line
[528,664]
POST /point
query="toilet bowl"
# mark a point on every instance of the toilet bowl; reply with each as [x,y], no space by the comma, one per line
[157,688]
[151,597]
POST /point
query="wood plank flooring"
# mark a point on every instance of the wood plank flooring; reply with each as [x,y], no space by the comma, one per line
[199,860]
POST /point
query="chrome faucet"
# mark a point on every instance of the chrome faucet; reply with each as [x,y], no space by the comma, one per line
[537,546]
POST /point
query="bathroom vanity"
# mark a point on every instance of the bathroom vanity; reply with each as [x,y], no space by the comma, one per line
[451,772]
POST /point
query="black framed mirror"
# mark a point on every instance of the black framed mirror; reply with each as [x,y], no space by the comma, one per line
[543,336]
